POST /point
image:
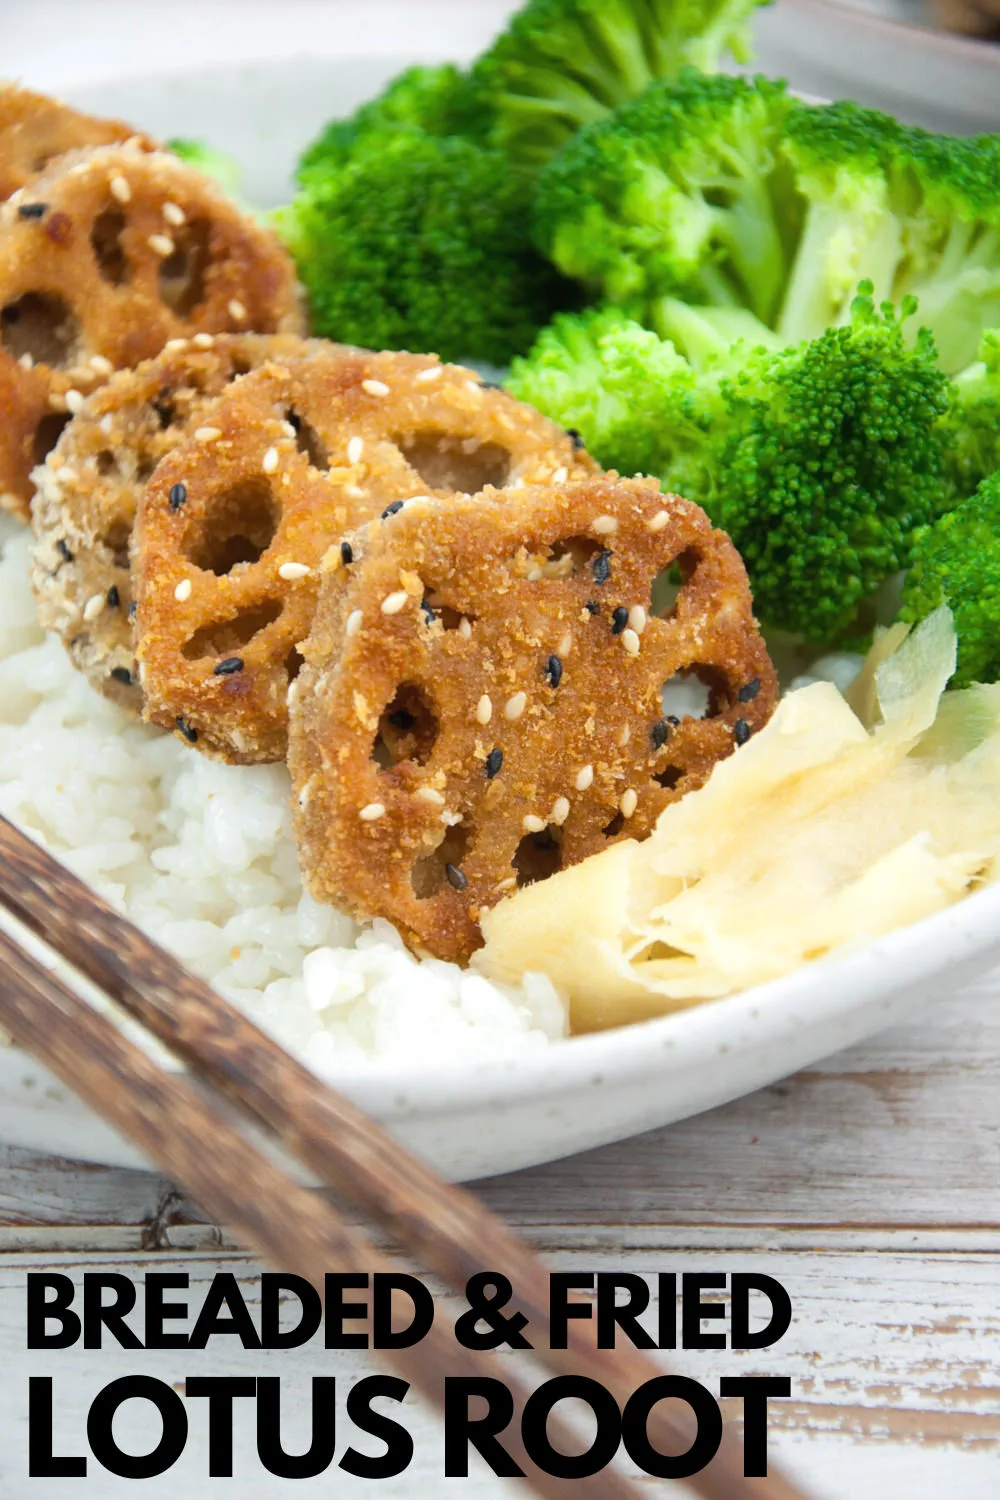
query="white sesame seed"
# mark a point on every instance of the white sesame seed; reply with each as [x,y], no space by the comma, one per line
[631,642]
[629,802]
[584,778]
[100,365]
[354,620]
[508,884]
[565,645]
[173,346]
[393,603]
[291,572]
[451,819]
[465,629]
[561,475]
[207,434]
[637,618]
[74,401]
[270,461]
[203,340]
[532,824]
[430,794]
[355,449]
[625,736]
[161,244]
[484,709]
[657,522]
[106,425]
[288,430]
[237,311]
[375,387]
[430,374]
[174,214]
[94,605]
[27,361]
[293,692]
[120,189]
[372,812]
[604,525]
[514,707]
[560,811]
[183,590]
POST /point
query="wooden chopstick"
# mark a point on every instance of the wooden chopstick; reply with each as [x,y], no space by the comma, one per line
[442,1225]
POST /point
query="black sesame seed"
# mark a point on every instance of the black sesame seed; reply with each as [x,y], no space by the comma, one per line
[493,763]
[33,210]
[346,554]
[575,438]
[491,385]
[402,719]
[62,547]
[187,730]
[456,879]
[593,608]
[122,674]
[619,620]
[114,598]
[673,719]
[602,566]
[554,671]
[741,731]
[391,510]
[660,734]
[429,614]
[229,667]
[178,495]
[748,694]
[133,609]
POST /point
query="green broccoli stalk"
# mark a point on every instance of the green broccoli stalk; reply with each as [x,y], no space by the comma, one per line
[562,64]
[819,459]
[957,562]
[416,242]
[225,169]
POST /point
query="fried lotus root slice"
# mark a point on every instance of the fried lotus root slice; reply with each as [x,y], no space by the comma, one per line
[35,129]
[349,435]
[482,699]
[87,493]
[134,248]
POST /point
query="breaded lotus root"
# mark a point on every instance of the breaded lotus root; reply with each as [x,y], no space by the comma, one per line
[305,451]
[88,489]
[35,129]
[482,697]
[133,248]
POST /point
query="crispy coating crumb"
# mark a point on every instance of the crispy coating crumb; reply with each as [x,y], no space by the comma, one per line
[103,279]
[282,470]
[466,723]
[88,491]
[35,129]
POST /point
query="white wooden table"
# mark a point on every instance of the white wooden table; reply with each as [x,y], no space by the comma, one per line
[870,1186]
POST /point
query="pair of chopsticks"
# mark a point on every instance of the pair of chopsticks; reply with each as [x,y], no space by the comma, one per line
[191,1134]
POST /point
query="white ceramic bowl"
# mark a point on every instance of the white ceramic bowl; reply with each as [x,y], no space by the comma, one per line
[494,1117]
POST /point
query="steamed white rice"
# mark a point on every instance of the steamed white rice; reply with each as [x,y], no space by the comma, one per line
[201,857]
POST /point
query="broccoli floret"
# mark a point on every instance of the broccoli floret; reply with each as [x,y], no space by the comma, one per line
[562,64]
[630,394]
[819,459]
[677,194]
[439,100]
[974,419]
[416,242]
[957,562]
[225,169]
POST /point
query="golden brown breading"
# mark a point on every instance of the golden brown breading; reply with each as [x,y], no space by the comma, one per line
[88,490]
[134,248]
[482,697]
[303,453]
[35,129]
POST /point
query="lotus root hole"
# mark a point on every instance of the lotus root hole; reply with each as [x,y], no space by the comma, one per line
[182,274]
[106,242]
[613,829]
[429,875]
[408,729]
[669,778]
[449,617]
[47,434]
[239,527]
[308,440]
[538,856]
[571,555]
[465,466]
[42,326]
[115,537]
[687,696]
[294,662]
[227,637]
